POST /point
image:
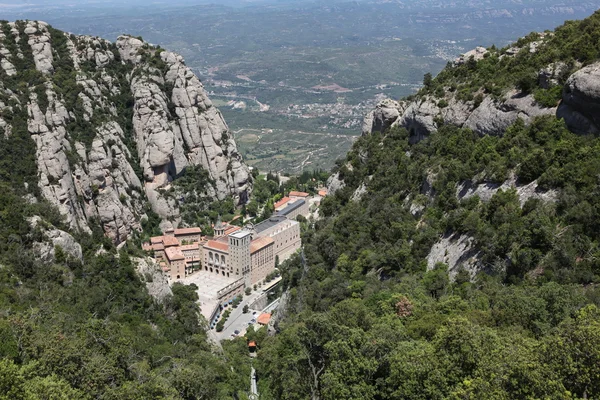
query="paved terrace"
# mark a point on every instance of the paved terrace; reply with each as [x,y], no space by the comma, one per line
[208,286]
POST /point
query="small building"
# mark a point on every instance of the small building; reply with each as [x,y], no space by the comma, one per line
[295,208]
[264,319]
[175,262]
[280,205]
[299,195]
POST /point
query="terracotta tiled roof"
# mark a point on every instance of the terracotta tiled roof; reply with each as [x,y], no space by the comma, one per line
[298,194]
[217,245]
[260,243]
[189,247]
[169,241]
[322,193]
[282,202]
[188,231]
[174,254]
[231,229]
[156,239]
[158,246]
[264,319]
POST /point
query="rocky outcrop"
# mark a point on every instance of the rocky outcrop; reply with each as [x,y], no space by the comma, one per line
[421,117]
[581,100]
[485,191]
[192,132]
[153,277]
[456,251]
[118,135]
[54,238]
[335,183]
[488,115]
[39,39]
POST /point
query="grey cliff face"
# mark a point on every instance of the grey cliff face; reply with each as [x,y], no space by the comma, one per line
[490,117]
[581,100]
[133,120]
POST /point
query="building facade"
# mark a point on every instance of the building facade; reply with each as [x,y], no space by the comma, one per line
[216,257]
[284,232]
[239,254]
[262,259]
[188,235]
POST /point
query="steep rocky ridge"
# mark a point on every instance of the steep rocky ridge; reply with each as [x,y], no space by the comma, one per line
[490,108]
[114,124]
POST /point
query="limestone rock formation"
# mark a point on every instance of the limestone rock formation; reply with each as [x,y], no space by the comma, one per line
[54,238]
[421,117]
[456,251]
[114,126]
[153,277]
[581,100]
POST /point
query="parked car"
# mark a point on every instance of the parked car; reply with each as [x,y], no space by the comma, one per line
[236,332]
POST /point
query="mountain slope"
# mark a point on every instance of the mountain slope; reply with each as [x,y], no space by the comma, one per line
[452,264]
[113,124]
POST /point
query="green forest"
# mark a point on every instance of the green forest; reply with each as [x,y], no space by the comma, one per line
[367,320]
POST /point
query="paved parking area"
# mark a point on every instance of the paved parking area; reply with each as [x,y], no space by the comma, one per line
[208,286]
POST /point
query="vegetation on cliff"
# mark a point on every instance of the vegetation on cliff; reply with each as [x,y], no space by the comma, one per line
[371,313]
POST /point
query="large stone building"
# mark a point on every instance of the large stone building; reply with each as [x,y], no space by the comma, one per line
[285,234]
[175,262]
[216,257]
[248,254]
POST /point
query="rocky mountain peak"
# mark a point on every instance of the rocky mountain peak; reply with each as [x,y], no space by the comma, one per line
[114,125]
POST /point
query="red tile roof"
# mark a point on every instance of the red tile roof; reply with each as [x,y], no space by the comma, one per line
[156,239]
[217,245]
[231,229]
[188,231]
[189,247]
[323,192]
[298,194]
[264,319]
[174,254]
[260,243]
[282,202]
[169,241]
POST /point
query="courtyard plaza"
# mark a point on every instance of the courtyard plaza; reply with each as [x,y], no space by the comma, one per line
[208,285]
